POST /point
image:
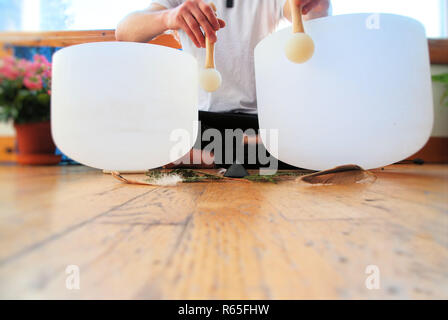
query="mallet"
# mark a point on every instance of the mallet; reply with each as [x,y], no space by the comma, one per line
[209,78]
[300,47]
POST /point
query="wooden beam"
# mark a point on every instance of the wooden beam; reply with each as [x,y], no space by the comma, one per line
[69,38]
[435,151]
[55,38]
[438,51]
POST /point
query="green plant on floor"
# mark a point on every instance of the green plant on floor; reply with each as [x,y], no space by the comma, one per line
[25,89]
[191,176]
[187,176]
[443,78]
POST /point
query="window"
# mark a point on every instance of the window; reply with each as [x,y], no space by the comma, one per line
[432,13]
[105,14]
[35,15]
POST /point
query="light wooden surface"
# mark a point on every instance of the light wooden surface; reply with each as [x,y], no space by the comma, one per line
[222,240]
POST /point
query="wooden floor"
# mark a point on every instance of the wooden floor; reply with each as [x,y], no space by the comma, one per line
[223,240]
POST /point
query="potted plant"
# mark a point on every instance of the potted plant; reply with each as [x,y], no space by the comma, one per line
[25,88]
[443,78]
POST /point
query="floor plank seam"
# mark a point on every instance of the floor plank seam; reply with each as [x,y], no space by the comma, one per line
[63,233]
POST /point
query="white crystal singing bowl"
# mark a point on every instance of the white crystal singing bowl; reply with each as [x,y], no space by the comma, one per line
[364,98]
[115,105]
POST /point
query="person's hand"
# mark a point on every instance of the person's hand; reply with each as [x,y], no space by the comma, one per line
[308,5]
[193,15]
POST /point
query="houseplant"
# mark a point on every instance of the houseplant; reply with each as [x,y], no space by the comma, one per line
[25,88]
[443,78]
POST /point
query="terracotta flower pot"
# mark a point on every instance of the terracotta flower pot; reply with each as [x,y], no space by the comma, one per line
[35,144]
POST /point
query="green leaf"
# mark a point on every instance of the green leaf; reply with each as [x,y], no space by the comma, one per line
[443,78]
[21,105]
[445,97]
[43,99]
[22,95]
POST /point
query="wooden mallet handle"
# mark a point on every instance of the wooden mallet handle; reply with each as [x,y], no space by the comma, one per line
[210,49]
[296,15]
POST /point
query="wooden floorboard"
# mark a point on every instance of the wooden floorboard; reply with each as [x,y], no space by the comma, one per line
[222,240]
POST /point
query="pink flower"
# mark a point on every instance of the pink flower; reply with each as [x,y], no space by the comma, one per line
[23,67]
[8,68]
[47,72]
[8,61]
[35,74]
[10,72]
[33,82]
[40,59]
[34,67]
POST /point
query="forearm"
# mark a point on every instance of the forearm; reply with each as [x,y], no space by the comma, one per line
[142,26]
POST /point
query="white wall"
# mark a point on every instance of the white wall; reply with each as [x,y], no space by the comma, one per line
[6,129]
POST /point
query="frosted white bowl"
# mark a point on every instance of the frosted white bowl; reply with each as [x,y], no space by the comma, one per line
[364,98]
[115,105]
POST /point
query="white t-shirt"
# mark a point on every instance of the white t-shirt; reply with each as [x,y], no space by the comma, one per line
[247,23]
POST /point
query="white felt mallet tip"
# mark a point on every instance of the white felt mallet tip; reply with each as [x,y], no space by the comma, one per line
[210,79]
[299,48]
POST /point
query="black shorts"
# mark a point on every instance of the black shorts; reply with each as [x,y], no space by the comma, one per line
[248,123]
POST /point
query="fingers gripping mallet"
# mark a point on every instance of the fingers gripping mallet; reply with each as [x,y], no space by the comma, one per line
[209,78]
[300,47]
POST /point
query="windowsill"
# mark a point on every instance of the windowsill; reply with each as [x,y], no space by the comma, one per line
[69,38]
